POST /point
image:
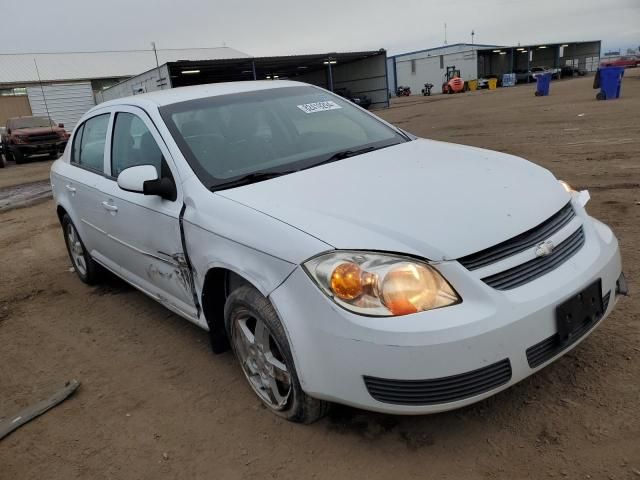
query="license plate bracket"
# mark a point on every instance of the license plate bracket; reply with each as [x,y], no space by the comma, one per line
[582,308]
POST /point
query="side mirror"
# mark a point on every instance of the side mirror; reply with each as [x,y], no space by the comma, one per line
[132,179]
[144,179]
[61,125]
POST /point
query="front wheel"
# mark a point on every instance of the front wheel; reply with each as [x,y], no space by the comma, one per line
[19,157]
[260,345]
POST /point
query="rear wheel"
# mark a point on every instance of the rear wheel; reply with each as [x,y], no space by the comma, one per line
[260,345]
[600,96]
[86,268]
[53,155]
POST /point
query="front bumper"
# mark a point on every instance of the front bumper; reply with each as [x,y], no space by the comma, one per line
[335,350]
[38,148]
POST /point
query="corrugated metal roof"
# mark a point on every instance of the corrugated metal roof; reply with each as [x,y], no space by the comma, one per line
[472,46]
[20,67]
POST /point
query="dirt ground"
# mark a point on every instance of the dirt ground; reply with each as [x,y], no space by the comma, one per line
[155,403]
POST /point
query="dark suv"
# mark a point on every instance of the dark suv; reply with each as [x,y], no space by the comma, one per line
[26,136]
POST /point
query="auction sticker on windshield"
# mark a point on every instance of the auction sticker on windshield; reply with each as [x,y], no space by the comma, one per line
[319,106]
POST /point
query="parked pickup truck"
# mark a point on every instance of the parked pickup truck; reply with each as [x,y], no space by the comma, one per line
[26,136]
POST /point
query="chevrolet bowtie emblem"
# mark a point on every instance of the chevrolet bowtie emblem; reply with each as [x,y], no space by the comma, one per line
[545,248]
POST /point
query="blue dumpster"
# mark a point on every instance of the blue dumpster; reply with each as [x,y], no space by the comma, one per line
[610,82]
[542,84]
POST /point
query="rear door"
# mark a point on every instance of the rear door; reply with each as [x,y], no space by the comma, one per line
[144,230]
[85,182]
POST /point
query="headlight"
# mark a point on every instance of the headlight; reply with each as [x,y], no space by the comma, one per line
[379,284]
[566,186]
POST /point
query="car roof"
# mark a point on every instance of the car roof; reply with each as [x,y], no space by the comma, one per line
[183,94]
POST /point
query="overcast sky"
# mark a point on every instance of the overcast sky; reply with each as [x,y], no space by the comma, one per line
[274,27]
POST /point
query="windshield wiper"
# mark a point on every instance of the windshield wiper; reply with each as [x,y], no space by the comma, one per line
[248,179]
[351,153]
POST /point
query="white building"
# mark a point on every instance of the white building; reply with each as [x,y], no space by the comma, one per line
[414,69]
[65,84]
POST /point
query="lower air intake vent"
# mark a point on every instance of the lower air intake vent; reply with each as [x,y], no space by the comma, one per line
[439,390]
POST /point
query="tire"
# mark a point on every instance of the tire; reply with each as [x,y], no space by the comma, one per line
[86,268]
[3,162]
[600,96]
[248,314]
[7,155]
[19,157]
[53,155]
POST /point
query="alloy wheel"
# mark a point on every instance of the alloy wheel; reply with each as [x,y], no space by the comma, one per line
[76,250]
[261,360]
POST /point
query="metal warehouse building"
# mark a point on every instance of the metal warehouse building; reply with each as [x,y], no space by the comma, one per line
[71,80]
[414,69]
[361,73]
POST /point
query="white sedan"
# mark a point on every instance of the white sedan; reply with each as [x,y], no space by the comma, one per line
[341,258]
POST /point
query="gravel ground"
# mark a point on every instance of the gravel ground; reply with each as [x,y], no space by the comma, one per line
[155,403]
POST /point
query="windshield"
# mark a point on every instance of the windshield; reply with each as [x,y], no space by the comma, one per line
[31,122]
[280,130]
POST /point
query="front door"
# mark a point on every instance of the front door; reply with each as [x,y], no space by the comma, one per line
[144,230]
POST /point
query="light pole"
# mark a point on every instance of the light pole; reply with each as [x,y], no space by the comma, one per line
[328,62]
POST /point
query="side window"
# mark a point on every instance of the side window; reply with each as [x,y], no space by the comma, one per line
[92,137]
[133,144]
[75,151]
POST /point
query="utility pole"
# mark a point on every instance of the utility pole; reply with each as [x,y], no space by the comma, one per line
[155,52]
[44,97]
[445,33]
[473,33]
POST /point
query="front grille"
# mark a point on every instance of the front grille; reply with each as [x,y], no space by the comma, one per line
[520,242]
[439,390]
[47,137]
[550,347]
[529,271]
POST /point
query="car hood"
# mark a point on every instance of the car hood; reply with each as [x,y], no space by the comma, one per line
[437,200]
[36,130]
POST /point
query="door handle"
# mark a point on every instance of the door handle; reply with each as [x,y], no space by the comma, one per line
[108,206]
[70,188]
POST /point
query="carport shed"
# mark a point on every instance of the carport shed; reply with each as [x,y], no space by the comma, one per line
[362,73]
[501,60]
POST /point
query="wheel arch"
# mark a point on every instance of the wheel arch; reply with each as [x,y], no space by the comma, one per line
[219,282]
[61,212]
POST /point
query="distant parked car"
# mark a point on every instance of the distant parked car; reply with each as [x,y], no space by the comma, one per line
[571,71]
[537,71]
[3,162]
[483,82]
[628,61]
[360,100]
[26,136]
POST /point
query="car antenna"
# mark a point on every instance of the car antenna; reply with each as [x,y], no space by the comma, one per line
[44,98]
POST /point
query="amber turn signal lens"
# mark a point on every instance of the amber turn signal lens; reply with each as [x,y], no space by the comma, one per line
[346,281]
[409,288]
